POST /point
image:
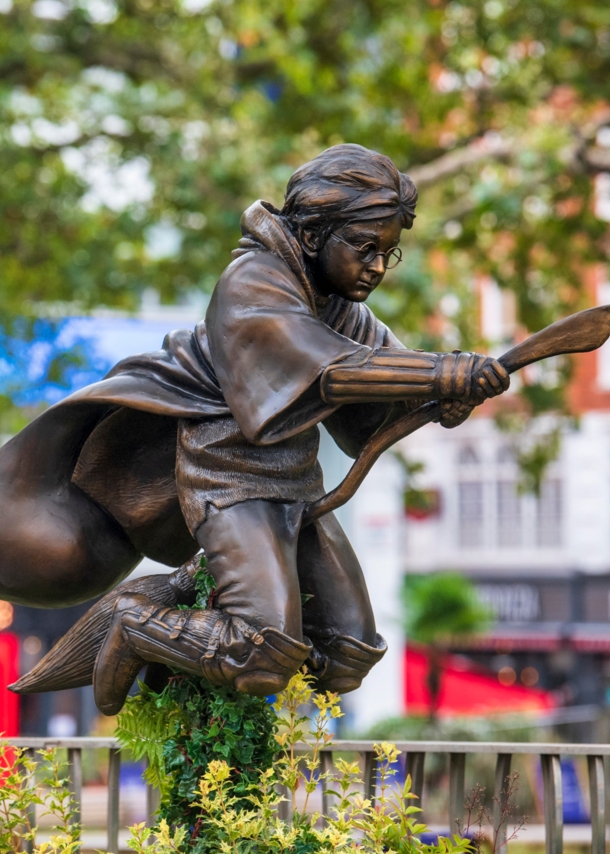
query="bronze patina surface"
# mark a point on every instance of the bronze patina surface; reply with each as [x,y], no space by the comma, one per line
[211,444]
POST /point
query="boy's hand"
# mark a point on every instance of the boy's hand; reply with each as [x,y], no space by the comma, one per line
[489,378]
[454,412]
[470,377]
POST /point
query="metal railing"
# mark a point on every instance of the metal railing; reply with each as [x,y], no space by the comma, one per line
[416,752]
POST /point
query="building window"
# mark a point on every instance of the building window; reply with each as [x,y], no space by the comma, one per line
[468,456]
[471,513]
[508,518]
[548,515]
[493,514]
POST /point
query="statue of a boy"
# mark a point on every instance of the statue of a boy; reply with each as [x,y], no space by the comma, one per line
[212,444]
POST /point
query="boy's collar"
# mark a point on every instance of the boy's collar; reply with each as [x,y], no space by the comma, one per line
[263,227]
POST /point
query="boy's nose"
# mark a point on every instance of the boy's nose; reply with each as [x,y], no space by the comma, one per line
[377,265]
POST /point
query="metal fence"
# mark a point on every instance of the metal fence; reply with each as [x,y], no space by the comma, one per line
[416,752]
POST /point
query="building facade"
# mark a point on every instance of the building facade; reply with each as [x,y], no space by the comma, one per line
[541,562]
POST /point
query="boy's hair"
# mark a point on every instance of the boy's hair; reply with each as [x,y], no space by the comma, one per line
[347,182]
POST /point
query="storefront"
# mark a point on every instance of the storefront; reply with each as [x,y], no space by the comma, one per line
[549,632]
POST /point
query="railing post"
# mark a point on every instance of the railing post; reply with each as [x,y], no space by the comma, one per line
[153,799]
[284,809]
[553,803]
[370,776]
[415,767]
[457,773]
[597,788]
[75,761]
[31,813]
[502,782]
[326,763]
[114,776]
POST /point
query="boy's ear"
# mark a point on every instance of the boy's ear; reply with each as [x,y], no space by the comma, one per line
[310,242]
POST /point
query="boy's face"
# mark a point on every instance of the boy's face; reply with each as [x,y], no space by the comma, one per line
[337,267]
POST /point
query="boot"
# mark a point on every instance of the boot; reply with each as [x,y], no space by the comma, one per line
[340,663]
[209,644]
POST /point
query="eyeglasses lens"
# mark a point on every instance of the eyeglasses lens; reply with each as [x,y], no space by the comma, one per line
[392,259]
[367,252]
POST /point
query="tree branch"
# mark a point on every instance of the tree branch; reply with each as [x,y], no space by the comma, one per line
[488,147]
[582,155]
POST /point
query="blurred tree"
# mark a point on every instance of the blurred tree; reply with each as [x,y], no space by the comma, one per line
[437,609]
[134,133]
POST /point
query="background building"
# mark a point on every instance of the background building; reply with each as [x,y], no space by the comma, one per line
[541,562]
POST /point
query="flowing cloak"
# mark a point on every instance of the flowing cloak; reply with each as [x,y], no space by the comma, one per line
[89,487]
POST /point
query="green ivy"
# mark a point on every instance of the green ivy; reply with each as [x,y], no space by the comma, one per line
[218,723]
[205,585]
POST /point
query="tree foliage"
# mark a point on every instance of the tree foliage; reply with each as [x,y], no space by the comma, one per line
[440,607]
[437,609]
[135,132]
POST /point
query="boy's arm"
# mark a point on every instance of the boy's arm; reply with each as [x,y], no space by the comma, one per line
[387,375]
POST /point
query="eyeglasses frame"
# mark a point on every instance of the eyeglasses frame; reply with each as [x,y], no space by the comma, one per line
[386,255]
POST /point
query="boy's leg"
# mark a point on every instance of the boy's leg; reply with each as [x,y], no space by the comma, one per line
[338,618]
[251,549]
[250,639]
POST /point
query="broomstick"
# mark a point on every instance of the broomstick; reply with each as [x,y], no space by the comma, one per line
[579,333]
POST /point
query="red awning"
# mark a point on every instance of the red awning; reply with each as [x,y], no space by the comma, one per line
[467,689]
[584,640]
[9,672]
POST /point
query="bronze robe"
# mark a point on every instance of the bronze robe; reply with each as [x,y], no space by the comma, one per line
[90,487]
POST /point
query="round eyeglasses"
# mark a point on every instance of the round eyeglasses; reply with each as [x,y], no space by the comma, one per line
[369,251]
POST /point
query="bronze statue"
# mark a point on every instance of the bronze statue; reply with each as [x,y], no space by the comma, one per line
[211,443]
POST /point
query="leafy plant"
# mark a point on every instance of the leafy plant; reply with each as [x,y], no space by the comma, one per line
[235,810]
[27,783]
[166,841]
[190,724]
[441,606]
[205,586]
[218,724]
[145,725]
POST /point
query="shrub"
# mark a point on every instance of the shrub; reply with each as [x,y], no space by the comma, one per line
[221,778]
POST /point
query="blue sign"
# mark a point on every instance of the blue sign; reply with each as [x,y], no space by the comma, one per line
[50,359]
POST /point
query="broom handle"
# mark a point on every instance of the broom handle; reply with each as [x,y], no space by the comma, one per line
[587,330]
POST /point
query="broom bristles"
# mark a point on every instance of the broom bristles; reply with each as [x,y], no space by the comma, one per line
[70,663]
